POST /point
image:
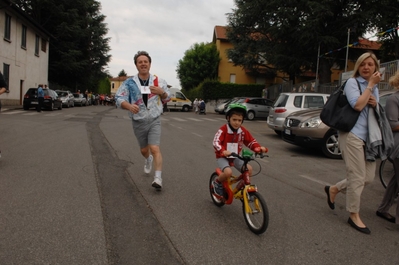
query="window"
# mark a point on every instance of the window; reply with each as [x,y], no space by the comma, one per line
[44,45]
[298,101]
[23,37]
[113,85]
[7,28]
[314,102]
[37,45]
[6,74]
[232,78]
[180,96]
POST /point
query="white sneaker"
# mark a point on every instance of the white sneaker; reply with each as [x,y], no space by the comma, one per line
[157,183]
[148,164]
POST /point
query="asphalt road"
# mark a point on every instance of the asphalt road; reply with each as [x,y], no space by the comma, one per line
[73,191]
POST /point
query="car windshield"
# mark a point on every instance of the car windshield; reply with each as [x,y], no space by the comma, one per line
[76,95]
[62,94]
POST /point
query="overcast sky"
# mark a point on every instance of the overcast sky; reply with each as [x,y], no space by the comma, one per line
[163,28]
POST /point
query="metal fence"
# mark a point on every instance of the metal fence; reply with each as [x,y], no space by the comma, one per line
[312,86]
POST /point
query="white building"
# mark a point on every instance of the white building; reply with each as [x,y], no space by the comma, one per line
[24,52]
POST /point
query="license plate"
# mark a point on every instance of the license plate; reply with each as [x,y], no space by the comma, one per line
[33,103]
[287,131]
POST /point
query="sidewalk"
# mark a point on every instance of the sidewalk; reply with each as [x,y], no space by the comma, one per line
[12,107]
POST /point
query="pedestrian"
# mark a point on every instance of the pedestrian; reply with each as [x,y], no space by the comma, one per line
[40,98]
[3,88]
[392,190]
[359,170]
[143,95]
[195,105]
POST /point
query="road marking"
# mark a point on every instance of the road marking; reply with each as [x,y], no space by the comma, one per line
[194,119]
[31,113]
[314,180]
[178,119]
[197,134]
[14,112]
[209,119]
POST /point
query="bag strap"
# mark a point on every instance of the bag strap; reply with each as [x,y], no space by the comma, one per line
[358,85]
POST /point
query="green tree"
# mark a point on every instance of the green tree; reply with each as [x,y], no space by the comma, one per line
[386,20]
[285,36]
[200,62]
[122,73]
[78,47]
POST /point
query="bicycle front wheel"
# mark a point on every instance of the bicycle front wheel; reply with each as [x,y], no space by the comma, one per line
[257,218]
[386,172]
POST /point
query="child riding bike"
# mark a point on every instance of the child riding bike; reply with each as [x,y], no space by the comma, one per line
[230,138]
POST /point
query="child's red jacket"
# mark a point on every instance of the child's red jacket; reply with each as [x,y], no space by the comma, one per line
[225,135]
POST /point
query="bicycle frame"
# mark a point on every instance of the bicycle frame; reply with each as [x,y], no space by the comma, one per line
[237,192]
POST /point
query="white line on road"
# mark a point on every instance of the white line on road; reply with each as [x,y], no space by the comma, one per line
[197,134]
[14,112]
[194,119]
[314,180]
[31,113]
[178,119]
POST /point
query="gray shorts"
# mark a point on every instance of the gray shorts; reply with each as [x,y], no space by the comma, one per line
[148,132]
[224,162]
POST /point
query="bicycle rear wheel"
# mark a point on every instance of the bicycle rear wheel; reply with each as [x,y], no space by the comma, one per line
[386,172]
[216,200]
[258,217]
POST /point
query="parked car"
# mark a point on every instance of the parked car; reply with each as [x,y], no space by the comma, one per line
[305,128]
[66,97]
[79,99]
[287,103]
[234,100]
[257,107]
[219,108]
[51,99]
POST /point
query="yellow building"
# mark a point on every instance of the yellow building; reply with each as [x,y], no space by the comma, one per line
[229,73]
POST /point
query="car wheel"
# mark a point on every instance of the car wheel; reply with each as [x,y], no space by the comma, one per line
[250,115]
[26,107]
[278,132]
[60,107]
[330,145]
[185,108]
[52,106]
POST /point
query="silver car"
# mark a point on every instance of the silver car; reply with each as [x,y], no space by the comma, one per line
[257,107]
[79,99]
[287,103]
[305,128]
[66,97]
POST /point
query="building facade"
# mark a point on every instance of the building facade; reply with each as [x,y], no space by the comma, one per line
[24,53]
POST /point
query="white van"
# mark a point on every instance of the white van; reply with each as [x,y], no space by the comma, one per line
[178,100]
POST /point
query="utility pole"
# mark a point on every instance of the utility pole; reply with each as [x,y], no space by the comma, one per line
[347,51]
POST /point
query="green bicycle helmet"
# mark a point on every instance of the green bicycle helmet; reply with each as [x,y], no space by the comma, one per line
[236,107]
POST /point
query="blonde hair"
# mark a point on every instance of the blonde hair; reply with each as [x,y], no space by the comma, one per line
[361,59]
[394,80]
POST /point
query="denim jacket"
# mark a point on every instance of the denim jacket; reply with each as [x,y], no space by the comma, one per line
[130,91]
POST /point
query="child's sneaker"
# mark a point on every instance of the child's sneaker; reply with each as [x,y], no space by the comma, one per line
[148,165]
[157,183]
[218,188]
